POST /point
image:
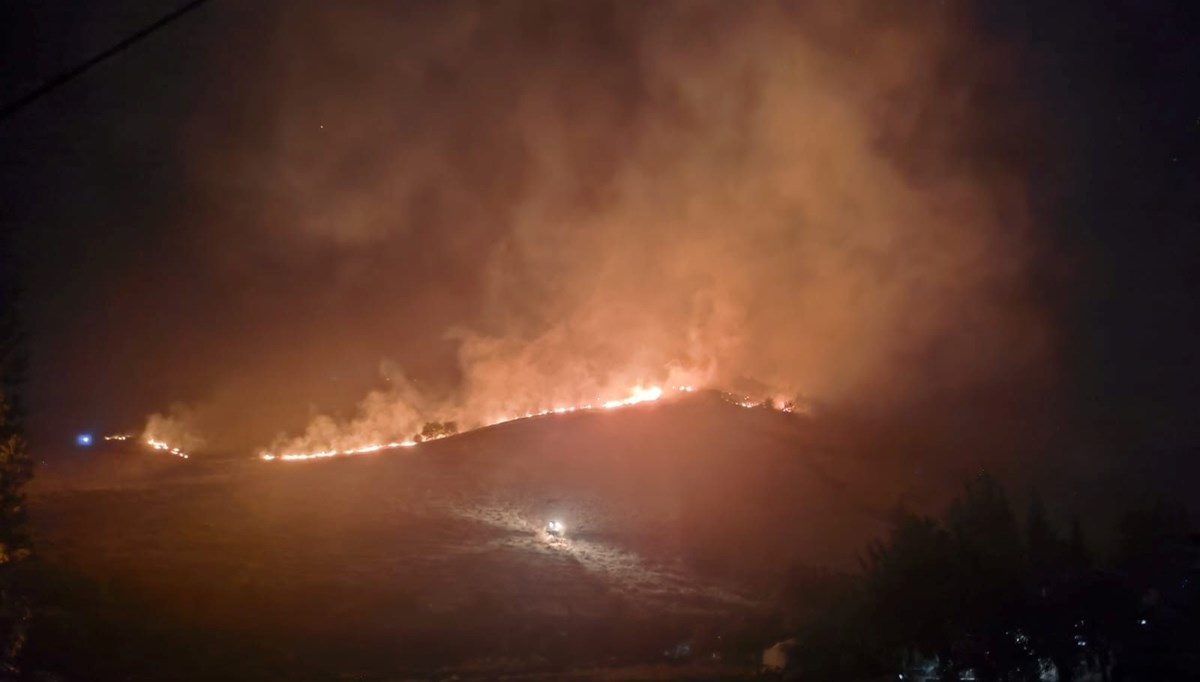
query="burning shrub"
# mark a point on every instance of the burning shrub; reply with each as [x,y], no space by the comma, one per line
[435,430]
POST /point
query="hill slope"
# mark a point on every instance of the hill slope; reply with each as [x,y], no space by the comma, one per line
[689,507]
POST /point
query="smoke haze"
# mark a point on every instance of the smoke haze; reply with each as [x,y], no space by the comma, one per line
[540,204]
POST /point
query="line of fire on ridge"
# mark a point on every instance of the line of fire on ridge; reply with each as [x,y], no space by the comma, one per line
[638,395]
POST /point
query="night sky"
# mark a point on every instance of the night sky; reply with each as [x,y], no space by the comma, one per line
[272,210]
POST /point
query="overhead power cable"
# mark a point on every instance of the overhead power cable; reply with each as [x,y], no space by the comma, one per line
[76,71]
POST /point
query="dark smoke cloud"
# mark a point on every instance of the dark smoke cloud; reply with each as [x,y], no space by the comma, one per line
[547,203]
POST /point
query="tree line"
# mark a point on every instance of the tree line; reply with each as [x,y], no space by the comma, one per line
[976,594]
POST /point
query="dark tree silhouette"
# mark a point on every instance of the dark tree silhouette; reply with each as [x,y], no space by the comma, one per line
[1149,537]
[988,577]
[15,472]
[905,580]
[970,591]
[1158,555]
[1079,557]
[1043,544]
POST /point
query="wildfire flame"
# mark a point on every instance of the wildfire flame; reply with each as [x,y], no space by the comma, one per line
[639,394]
[150,442]
[166,447]
[291,457]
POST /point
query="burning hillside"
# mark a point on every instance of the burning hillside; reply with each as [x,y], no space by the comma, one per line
[785,201]
[434,430]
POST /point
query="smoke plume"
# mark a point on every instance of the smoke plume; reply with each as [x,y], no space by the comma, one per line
[579,198]
[178,428]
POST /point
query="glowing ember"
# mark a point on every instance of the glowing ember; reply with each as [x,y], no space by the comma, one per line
[295,456]
[640,395]
[166,447]
[151,442]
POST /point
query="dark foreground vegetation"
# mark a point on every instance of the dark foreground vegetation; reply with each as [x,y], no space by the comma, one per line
[15,471]
[974,594]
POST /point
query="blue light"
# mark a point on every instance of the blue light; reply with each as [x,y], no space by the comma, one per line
[84,440]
